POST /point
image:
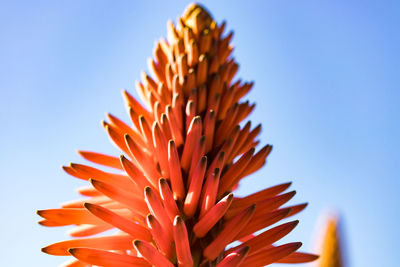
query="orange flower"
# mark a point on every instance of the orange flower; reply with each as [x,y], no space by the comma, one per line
[331,244]
[170,195]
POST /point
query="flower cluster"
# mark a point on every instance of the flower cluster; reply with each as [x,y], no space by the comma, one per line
[170,194]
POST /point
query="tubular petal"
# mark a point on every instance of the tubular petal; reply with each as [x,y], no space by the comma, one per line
[117,242]
[263,221]
[126,225]
[267,238]
[212,216]
[228,233]
[229,179]
[168,199]
[298,257]
[106,258]
[193,195]
[235,258]
[156,208]
[182,243]
[151,254]
[160,145]
[271,255]
[101,159]
[193,135]
[163,243]
[121,195]
[259,196]
[175,171]
[145,163]
[69,216]
[265,205]
[209,193]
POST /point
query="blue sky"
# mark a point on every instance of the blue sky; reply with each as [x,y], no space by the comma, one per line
[327,78]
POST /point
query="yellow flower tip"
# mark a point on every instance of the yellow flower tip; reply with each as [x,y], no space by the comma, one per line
[197,18]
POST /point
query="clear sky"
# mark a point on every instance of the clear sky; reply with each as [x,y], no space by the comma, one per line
[327,78]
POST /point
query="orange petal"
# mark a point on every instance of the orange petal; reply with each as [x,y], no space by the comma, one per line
[215,87]
[135,174]
[151,254]
[146,131]
[190,112]
[79,203]
[69,216]
[227,98]
[212,216]
[242,137]
[143,161]
[201,99]
[267,238]
[218,163]
[201,71]
[87,172]
[226,126]
[242,91]
[257,160]
[135,105]
[193,54]
[197,153]
[183,253]
[209,129]
[134,118]
[116,137]
[101,159]
[249,140]
[244,110]
[259,196]
[175,171]
[193,195]
[161,149]
[214,105]
[298,257]
[296,209]
[193,135]
[235,258]
[106,258]
[229,179]
[228,233]
[209,193]
[168,199]
[233,136]
[163,243]
[173,124]
[271,255]
[156,208]
[263,221]
[123,128]
[116,242]
[135,203]
[265,205]
[177,109]
[127,225]
[165,95]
